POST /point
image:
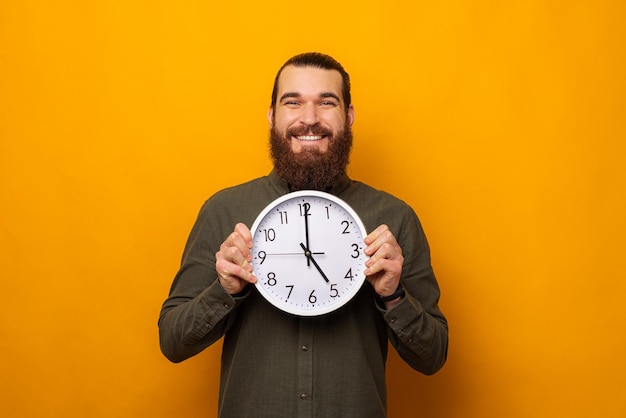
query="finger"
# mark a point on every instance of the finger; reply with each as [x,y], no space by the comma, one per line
[239,242]
[385,245]
[373,236]
[383,265]
[232,255]
[229,266]
[245,233]
[244,272]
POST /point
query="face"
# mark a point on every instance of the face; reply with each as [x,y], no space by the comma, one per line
[309,109]
[311,132]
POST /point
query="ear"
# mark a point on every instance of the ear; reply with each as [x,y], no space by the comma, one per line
[270,116]
[351,115]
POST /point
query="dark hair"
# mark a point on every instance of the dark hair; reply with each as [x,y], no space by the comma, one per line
[316,60]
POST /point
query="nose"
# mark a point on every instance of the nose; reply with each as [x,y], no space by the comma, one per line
[309,115]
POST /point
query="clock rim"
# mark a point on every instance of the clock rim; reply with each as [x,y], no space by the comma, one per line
[295,195]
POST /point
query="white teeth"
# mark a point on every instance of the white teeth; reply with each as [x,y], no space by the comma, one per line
[310,137]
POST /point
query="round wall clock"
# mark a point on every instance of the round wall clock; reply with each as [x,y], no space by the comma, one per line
[308,253]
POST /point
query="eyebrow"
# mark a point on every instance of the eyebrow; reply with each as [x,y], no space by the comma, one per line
[289,95]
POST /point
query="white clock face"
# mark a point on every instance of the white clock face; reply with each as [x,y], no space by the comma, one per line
[308,253]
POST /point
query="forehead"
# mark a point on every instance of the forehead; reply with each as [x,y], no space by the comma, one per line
[309,81]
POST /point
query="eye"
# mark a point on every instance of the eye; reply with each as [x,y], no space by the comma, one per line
[328,103]
[291,103]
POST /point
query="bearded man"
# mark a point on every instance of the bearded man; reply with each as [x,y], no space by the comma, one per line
[276,364]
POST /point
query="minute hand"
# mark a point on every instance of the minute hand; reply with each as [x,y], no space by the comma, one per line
[309,256]
[306,230]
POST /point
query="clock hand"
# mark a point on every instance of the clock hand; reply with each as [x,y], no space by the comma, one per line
[291,253]
[262,255]
[306,229]
[309,256]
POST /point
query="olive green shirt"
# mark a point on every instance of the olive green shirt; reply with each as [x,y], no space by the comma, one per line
[278,365]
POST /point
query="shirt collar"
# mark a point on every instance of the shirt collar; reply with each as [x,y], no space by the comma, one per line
[283,188]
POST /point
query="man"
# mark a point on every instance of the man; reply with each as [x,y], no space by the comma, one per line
[279,365]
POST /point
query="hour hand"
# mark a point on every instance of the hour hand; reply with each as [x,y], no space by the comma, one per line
[309,256]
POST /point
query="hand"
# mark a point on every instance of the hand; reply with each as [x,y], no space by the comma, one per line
[232,264]
[384,266]
[309,256]
[306,230]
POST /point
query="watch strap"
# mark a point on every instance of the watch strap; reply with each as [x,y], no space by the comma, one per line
[399,292]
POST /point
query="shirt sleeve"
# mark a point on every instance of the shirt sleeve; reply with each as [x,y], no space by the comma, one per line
[417,328]
[198,311]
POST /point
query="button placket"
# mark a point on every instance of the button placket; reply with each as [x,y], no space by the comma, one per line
[305,367]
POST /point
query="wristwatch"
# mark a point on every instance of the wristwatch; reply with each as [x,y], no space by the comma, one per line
[395,295]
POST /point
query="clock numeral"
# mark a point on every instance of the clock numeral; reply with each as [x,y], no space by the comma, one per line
[290,286]
[327,212]
[271,279]
[270,234]
[261,255]
[312,297]
[304,208]
[356,253]
[347,225]
[283,217]
[349,275]
[334,293]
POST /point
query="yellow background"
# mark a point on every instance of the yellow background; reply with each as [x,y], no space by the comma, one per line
[501,122]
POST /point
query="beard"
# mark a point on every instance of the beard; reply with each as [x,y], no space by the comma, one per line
[311,169]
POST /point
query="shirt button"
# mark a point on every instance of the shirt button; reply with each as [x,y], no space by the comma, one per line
[227,306]
[305,348]
[304,395]
[393,320]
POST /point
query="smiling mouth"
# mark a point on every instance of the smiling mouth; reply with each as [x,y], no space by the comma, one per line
[309,138]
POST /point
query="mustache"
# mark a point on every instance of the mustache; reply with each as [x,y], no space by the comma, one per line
[316,129]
